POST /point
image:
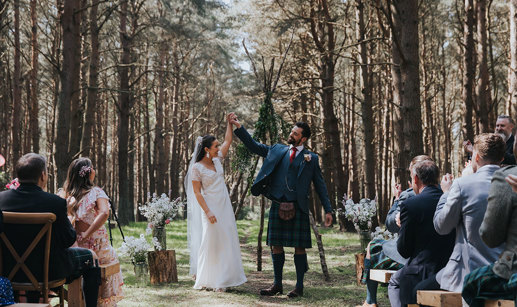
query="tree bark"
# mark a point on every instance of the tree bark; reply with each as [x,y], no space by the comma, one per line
[483,86]
[69,96]
[33,103]
[512,78]
[369,161]
[125,207]
[469,69]
[17,89]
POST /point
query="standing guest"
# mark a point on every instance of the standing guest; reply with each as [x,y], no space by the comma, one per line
[383,254]
[462,208]
[504,127]
[89,209]
[427,251]
[498,280]
[65,262]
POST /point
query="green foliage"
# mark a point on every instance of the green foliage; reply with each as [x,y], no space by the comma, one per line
[4,179]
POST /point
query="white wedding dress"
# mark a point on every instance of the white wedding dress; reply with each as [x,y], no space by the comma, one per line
[219,263]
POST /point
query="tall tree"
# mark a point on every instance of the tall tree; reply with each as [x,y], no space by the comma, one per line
[469,69]
[17,91]
[33,101]
[512,73]
[483,95]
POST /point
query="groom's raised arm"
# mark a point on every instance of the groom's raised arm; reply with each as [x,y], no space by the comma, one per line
[254,146]
[321,187]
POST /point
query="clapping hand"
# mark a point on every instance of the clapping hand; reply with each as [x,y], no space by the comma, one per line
[467,145]
[397,190]
[397,219]
[446,182]
[512,180]
[211,217]
[328,219]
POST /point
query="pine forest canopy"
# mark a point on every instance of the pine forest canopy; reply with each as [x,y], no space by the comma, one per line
[132,83]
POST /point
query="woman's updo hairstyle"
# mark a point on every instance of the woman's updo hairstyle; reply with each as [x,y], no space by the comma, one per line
[206,142]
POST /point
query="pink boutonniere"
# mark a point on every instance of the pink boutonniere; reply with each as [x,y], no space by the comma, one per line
[13,185]
[307,157]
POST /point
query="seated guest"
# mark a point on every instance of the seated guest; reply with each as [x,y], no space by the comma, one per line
[89,211]
[383,254]
[65,262]
[498,280]
[462,208]
[427,251]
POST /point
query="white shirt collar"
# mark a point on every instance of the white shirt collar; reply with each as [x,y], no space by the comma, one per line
[298,148]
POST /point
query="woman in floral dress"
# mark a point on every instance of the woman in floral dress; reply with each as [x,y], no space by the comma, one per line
[89,208]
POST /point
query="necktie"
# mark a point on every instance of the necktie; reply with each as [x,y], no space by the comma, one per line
[293,155]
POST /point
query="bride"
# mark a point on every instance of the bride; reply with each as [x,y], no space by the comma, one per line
[215,255]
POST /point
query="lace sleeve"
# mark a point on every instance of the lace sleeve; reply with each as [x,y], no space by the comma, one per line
[101,193]
[196,175]
[220,154]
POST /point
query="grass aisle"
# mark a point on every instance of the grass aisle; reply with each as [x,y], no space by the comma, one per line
[340,291]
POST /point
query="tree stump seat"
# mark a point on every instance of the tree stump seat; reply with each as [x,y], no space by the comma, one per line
[439,298]
[499,303]
[382,276]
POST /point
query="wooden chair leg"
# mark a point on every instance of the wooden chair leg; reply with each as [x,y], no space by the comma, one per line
[62,296]
[75,293]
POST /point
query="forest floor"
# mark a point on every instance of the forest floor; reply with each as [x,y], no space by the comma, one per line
[341,290]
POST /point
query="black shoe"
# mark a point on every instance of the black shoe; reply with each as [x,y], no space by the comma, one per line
[295,293]
[274,289]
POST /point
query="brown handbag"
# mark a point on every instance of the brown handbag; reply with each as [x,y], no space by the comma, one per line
[286,211]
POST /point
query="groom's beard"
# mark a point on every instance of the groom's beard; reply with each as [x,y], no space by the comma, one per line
[293,142]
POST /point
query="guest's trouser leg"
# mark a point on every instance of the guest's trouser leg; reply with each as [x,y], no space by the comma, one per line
[83,265]
[278,257]
[394,289]
[300,262]
[429,283]
[371,285]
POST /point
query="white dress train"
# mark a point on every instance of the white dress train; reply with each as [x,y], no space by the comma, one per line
[219,263]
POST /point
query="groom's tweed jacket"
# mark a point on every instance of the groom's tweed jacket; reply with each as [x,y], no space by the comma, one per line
[308,171]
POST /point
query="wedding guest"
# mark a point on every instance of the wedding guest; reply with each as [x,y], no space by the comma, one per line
[497,280]
[462,208]
[383,254]
[65,262]
[427,251]
[504,127]
[89,209]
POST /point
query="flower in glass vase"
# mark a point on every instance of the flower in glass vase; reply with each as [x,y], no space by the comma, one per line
[360,214]
[160,211]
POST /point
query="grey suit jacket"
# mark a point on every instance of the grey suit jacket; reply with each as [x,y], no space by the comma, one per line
[500,222]
[463,209]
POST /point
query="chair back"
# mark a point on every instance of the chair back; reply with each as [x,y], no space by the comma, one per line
[12,223]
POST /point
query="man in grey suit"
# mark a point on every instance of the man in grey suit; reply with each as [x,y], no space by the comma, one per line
[462,207]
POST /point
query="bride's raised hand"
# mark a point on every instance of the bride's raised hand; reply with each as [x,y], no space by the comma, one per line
[211,217]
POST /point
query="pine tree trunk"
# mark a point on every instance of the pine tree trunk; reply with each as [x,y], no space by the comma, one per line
[483,86]
[17,89]
[33,103]
[512,77]
[469,70]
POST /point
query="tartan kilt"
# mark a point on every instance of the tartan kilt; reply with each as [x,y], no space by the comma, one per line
[293,233]
[379,260]
[483,283]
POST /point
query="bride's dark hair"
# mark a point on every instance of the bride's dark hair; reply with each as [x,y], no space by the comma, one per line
[206,142]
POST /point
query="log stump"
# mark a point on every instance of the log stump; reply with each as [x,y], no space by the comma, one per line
[162,266]
[359,267]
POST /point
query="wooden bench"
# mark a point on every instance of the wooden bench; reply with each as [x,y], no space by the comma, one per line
[382,276]
[30,305]
[75,292]
[439,298]
[499,303]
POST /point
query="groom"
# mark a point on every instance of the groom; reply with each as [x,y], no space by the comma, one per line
[285,179]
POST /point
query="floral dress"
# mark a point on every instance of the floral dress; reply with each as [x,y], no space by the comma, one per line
[110,291]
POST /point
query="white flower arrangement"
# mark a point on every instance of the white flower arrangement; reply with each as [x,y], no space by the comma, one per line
[135,248]
[385,234]
[160,211]
[360,214]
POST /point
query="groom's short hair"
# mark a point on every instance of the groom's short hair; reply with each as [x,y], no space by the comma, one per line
[306,133]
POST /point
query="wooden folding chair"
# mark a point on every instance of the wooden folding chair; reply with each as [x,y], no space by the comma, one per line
[44,235]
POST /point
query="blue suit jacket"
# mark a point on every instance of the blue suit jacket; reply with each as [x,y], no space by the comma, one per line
[308,171]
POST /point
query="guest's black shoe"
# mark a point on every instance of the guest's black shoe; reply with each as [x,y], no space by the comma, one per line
[274,289]
[295,293]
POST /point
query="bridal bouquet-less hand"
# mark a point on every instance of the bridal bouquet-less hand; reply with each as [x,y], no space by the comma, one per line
[136,248]
[360,214]
[160,211]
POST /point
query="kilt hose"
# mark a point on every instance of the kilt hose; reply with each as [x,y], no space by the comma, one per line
[293,233]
